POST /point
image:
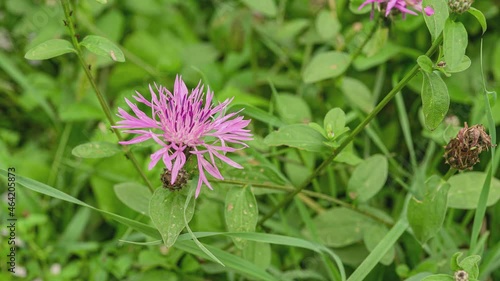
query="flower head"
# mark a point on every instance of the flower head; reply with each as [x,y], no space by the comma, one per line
[463,151]
[184,125]
[398,6]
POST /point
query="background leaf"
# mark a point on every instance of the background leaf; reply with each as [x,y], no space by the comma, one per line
[134,195]
[426,215]
[368,178]
[96,150]
[326,65]
[50,49]
[465,189]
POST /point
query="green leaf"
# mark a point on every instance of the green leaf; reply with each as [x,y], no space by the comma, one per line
[327,24]
[292,109]
[435,99]
[466,188]
[267,7]
[134,195]
[439,277]
[103,47]
[372,236]
[480,17]
[426,216]
[425,63]
[339,227]
[334,122]
[464,64]
[259,114]
[471,265]
[435,23]
[95,150]
[454,43]
[357,94]
[241,212]
[55,193]
[257,252]
[326,65]
[300,136]
[49,49]
[368,178]
[166,210]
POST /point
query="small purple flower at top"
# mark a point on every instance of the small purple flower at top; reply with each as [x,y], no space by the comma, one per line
[395,6]
[184,125]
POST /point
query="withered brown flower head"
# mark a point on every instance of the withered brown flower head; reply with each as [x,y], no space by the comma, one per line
[463,151]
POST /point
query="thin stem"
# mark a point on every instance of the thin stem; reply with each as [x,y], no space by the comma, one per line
[310,194]
[100,96]
[354,133]
[450,173]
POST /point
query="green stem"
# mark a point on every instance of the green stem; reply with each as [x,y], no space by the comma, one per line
[354,133]
[100,96]
[358,51]
[450,173]
[310,194]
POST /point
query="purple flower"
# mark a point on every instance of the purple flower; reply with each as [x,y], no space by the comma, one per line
[184,125]
[398,6]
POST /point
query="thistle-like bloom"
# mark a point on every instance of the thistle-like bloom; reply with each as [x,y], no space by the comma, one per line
[398,6]
[184,125]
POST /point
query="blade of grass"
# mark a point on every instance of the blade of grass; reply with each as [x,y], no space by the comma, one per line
[379,251]
[52,192]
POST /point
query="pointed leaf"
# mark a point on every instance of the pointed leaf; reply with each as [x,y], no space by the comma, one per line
[103,47]
[426,216]
[49,49]
[241,212]
[96,150]
[435,99]
[368,178]
[166,209]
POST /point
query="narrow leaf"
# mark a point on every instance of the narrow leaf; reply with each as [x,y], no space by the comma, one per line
[435,99]
[49,49]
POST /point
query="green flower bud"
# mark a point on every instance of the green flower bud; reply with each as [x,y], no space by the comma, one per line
[459,6]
